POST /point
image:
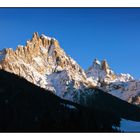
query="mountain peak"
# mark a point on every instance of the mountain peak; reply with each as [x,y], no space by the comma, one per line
[38,47]
[43,62]
[99,70]
[42,36]
[35,35]
[103,65]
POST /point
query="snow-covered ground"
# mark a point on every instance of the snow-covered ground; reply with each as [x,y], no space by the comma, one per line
[129,126]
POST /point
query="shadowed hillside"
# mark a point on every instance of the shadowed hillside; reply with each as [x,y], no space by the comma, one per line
[107,102]
[25,107]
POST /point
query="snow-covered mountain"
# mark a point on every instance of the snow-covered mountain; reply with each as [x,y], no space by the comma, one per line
[123,86]
[43,62]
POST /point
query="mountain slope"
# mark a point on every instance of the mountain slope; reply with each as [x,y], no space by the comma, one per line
[110,103]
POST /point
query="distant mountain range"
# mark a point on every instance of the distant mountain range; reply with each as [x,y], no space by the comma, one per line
[44,89]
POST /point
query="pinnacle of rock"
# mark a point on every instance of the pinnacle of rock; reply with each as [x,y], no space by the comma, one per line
[104,65]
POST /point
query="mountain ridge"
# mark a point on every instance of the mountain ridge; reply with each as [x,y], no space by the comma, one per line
[43,62]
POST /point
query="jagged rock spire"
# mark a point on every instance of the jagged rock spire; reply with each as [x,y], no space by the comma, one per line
[104,65]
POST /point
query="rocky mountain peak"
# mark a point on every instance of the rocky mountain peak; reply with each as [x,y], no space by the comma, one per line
[103,65]
[100,72]
[43,62]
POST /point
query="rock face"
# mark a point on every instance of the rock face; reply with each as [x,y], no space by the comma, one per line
[122,86]
[45,64]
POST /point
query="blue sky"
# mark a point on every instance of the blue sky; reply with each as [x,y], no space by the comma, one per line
[85,34]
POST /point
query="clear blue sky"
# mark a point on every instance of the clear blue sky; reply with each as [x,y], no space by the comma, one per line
[85,34]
